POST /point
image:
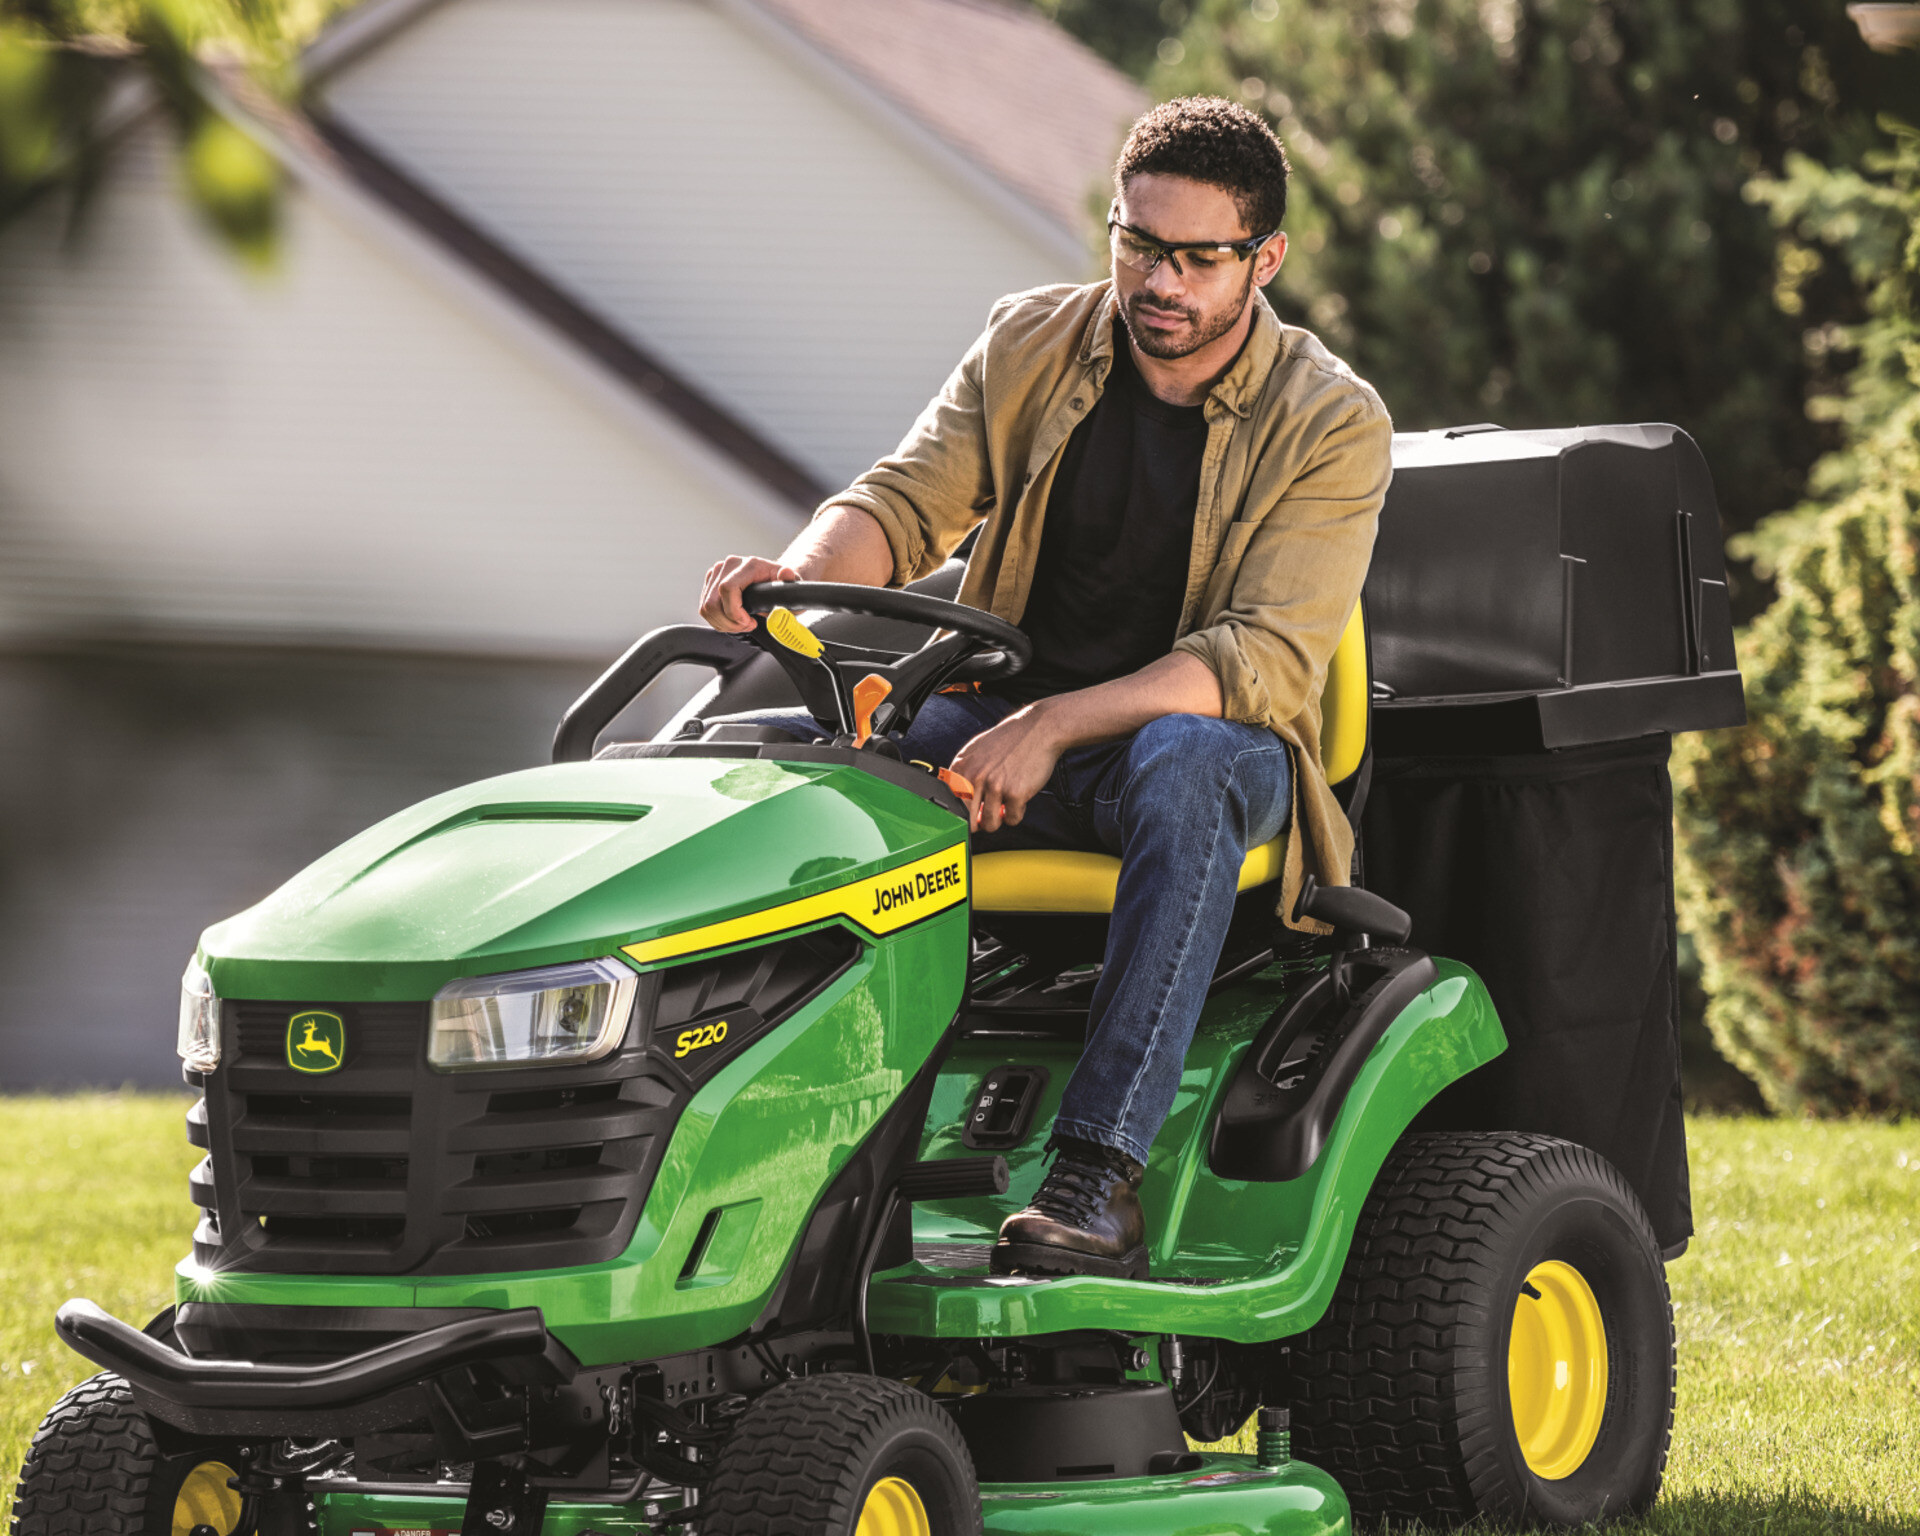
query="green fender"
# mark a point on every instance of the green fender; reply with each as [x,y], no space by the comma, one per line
[1248,1261]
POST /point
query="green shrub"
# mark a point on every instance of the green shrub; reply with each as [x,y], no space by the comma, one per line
[1530,211]
[1796,864]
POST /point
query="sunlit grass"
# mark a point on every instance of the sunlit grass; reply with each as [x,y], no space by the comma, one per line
[1798,1305]
[1798,1314]
[95,1205]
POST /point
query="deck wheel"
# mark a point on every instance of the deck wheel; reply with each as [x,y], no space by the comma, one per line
[843,1454]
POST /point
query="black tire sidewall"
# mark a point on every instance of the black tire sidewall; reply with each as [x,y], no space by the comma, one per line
[917,1457]
[1590,1228]
[808,1454]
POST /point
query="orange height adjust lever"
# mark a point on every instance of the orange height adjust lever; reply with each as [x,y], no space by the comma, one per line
[868,695]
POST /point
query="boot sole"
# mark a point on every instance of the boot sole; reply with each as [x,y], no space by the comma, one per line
[1045,1259]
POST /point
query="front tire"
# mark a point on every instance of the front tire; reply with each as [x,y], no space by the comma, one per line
[96,1468]
[1501,1342]
[843,1455]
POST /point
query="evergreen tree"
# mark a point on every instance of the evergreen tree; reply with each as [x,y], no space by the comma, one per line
[1531,210]
[1796,861]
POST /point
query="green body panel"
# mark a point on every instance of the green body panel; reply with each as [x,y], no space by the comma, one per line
[1275,1250]
[1225,1496]
[768,1133]
[575,861]
[564,863]
[340,1514]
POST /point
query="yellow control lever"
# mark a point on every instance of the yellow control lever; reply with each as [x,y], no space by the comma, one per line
[868,695]
[786,628]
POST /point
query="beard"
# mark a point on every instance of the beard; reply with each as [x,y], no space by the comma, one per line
[1203,326]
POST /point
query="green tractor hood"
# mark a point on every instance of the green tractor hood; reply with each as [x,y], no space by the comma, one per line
[569,862]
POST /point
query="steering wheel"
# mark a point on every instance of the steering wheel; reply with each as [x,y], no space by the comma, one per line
[869,693]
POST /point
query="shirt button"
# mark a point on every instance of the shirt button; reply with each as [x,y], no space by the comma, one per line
[1077,402]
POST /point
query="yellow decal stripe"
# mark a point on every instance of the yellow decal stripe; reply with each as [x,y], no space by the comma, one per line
[879,904]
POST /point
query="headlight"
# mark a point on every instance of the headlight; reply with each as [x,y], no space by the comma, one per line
[562,1013]
[199,1019]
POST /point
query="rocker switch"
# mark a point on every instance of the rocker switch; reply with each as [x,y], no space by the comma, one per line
[1001,1111]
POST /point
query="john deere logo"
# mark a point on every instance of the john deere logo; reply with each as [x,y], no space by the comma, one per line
[316,1042]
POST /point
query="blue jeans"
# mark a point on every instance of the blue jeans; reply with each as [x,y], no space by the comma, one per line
[1180,801]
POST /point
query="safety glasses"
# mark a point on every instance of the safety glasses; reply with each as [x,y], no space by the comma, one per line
[1194,260]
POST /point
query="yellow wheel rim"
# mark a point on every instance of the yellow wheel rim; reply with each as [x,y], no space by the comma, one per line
[205,1499]
[1557,1369]
[893,1508]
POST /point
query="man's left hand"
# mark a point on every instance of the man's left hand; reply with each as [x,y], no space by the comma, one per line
[1007,767]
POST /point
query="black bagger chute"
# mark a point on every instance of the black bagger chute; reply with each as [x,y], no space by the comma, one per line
[1546,609]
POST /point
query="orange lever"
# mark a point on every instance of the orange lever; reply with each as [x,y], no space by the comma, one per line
[868,695]
[959,783]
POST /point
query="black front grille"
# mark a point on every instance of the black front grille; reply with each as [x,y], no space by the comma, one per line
[385,1166]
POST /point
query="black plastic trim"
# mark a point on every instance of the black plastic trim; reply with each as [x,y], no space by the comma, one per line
[1272,1130]
[377,1388]
[614,689]
[268,1333]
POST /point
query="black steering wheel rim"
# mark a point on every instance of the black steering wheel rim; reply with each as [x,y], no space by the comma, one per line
[987,630]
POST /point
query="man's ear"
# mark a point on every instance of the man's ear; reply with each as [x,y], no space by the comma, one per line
[1267,263]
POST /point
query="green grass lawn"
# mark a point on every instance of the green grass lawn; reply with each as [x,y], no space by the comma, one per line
[1798,1305]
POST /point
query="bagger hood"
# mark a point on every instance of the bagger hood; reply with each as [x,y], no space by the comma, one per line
[577,861]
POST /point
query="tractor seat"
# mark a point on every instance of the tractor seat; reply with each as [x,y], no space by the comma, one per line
[1070,880]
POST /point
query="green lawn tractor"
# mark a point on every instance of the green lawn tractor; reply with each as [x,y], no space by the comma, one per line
[615,1146]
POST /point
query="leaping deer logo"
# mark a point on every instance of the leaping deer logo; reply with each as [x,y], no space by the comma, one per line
[314,1042]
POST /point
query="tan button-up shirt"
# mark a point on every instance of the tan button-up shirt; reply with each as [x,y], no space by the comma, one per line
[1296,465]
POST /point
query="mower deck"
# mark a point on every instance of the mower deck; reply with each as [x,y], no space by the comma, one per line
[1224,1492]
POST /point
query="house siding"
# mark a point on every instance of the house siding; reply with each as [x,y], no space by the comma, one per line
[343,451]
[748,220]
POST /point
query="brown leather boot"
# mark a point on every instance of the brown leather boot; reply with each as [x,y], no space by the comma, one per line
[1085,1218]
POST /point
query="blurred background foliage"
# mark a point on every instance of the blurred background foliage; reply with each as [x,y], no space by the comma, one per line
[68,66]
[1797,869]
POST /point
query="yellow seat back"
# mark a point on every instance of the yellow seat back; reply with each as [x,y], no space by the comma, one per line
[1069,880]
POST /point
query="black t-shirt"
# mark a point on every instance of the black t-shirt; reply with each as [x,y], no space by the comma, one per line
[1112,574]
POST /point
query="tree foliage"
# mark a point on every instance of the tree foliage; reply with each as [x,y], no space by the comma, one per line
[64,64]
[1531,210]
[1796,864]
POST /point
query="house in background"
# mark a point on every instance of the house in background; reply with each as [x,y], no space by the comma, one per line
[575,297]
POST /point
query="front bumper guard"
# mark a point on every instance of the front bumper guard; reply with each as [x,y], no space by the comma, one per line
[468,1376]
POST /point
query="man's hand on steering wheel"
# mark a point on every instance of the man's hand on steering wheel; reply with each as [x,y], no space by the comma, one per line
[868,693]
[720,596]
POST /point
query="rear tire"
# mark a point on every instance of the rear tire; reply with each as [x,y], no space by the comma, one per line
[95,1467]
[843,1455]
[1429,1390]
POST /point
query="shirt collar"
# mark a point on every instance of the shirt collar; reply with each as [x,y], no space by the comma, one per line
[1239,388]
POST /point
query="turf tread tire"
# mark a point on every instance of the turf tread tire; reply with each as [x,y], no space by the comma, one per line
[802,1457]
[89,1469]
[1396,1392]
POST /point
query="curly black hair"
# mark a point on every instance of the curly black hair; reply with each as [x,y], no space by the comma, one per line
[1220,142]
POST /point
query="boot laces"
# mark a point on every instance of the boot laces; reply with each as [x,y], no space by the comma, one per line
[1075,1187]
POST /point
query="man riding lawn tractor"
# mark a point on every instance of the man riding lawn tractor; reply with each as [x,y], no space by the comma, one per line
[1179,496]
[948,1065]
